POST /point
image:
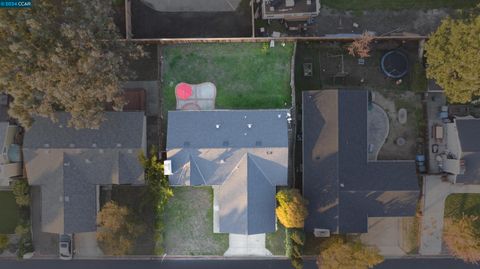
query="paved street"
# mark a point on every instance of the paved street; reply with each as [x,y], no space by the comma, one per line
[217,264]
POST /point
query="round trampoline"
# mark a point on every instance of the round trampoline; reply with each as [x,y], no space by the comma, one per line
[395,64]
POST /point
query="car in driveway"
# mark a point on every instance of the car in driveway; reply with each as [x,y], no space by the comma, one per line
[65,246]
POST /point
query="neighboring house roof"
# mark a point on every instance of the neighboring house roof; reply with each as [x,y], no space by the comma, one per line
[344,188]
[246,157]
[468,134]
[68,164]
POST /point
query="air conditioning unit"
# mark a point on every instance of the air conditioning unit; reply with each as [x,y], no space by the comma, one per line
[167,167]
[321,232]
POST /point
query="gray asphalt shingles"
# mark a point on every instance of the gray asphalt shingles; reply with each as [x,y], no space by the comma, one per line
[342,201]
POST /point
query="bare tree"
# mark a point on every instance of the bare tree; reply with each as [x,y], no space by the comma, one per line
[361,46]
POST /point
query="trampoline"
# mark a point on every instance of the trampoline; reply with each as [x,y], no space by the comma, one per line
[394,64]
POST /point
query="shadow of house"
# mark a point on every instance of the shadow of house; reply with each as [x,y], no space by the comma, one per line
[70,165]
[242,153]
[344,188]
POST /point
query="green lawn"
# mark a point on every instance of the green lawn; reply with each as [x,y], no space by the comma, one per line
[247,75]
[398,4]
[275,242]
[9,212]
[462,203]
[189,224]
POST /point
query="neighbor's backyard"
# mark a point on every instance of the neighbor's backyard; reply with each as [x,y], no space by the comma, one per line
[188,224]
[246,75]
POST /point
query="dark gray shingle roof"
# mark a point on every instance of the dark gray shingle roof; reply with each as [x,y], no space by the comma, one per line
[246,170]
[68,164]
[341,185]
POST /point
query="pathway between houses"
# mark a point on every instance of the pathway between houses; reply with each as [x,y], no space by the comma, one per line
[436,191]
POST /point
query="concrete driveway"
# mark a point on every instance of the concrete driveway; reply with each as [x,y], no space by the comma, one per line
[247,245]
[436,191]
[85,245]
[45,244]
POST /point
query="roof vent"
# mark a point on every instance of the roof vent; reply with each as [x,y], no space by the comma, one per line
[46,145]
[60,126]
[66,164]
[244,133]
[222,161]
[119,145]
[100,150]
[245,116]
[72,145]
[249,126]
[167,167]
[67,199]
[94,145]
[217,126]
[88,161]
[130,151]
[342,185]
[225,143]
[279,116]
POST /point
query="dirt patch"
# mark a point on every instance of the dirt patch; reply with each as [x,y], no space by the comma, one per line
[189,224]
[391,102]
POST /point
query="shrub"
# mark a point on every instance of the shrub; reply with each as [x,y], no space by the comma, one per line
[3,242]
[461,238]
[288,244]
[297,263]
[292,209]
[21,190]
[298,236]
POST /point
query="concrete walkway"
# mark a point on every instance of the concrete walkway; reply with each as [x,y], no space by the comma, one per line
[247,245]
[86,246]
[378,128]
[436,191]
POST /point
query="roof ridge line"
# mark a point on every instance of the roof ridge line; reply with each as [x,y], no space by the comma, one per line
[261,171]
[198,169]
[234,169]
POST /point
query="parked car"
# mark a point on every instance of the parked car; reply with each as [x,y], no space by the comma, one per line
[65,247]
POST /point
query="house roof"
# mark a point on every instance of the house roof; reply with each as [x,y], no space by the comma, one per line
[246,163]
[344,188]
[468,130]
[68,164]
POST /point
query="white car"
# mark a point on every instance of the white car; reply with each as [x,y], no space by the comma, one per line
[65,246]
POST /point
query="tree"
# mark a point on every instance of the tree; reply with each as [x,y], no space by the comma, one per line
[462,239]
[63,56]
[117,229]
[336,253]
[361,46]
[21,191]
[292,209]
[453,58]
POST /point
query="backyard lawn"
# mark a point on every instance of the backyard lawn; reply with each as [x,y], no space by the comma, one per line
[189,224]
[247,75]
[397,4]
[9,214]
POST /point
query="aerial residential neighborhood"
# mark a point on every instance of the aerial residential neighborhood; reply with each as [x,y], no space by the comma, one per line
[240,134]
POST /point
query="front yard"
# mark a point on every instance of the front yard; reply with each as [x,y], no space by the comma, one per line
[9,213]
[462,203]
[247,75]
[189,224]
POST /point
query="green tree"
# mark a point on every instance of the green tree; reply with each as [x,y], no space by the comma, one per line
[291,210]
[462,239]
[337,253]
[453,58]
[63,55]
[21,191]
[117,230]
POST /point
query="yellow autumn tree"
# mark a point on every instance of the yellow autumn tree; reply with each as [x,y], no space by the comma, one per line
[291,210]
[462,239]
